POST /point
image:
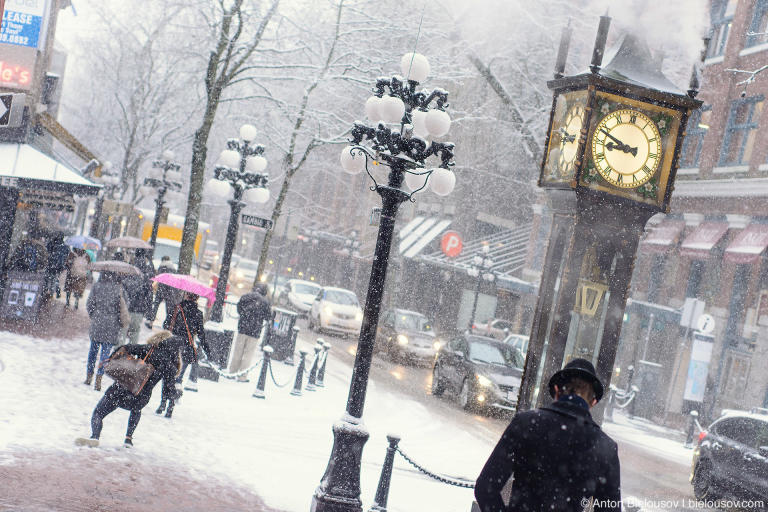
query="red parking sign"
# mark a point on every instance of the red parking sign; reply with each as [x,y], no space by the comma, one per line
[451,244]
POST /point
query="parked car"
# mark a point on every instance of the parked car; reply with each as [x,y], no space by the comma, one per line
[299,295]
[210,259]
[519,341]
[276,291]
[731,457]
[407,335]
[483,372]
[336,310]
[493,328]
[242,273]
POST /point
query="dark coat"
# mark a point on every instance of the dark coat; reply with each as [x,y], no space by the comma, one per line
[174,322]
[166,293]
[559,457]
[165,359]
[139,288]
[104,310]
[253,309]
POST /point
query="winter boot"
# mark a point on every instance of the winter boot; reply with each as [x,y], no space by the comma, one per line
[169,412]
[92,442]
[77,301]
[97,384]
[128,443]
[88,379]
[160,409]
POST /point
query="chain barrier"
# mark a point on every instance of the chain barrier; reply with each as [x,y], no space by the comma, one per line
[271,374]
[225,374]
[630,396]
[458,482]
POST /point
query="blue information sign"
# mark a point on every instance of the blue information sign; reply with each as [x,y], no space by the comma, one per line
[22,22]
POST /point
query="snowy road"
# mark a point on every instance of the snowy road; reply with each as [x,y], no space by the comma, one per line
[655,468]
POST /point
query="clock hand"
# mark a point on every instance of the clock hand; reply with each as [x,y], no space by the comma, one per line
[620,146]
[566,137]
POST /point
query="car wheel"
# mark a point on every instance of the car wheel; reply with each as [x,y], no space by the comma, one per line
[703,487]
[465,398]
[311,323]
[438,387]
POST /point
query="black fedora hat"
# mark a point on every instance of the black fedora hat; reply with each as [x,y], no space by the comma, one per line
[580,368]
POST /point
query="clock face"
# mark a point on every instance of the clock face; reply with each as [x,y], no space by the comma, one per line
[564,139]
[626,148]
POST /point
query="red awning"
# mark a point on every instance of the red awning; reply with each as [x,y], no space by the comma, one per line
[748,245]
[661,237]
[700,242]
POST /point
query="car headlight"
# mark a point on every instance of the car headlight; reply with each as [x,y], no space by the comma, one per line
[436,345]
[240,274]
[328,310]
[483,380]
[359,316]
[402,340]
[239,285]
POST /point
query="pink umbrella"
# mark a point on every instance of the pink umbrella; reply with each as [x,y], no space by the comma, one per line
[187,284]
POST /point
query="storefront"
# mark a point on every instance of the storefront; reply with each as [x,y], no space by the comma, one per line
[37,203]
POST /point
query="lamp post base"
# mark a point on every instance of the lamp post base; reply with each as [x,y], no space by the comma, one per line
[339,489]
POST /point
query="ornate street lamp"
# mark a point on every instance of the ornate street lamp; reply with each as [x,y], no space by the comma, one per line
[404,149]
[240,167]
[482,269]
[166,179]
[110,182]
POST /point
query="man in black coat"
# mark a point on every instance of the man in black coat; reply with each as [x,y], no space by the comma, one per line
[560,458]
[254,309]
[163,292]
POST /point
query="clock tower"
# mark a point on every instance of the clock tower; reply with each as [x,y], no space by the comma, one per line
[610,159]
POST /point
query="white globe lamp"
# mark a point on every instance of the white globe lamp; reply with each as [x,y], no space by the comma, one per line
[256,163]
[415,181]
[352,160]
[217,188]
[230,158]
[168,155]
[419,118]
[372,109]
[247,132]
[437,122]
[442,181]
[257,195]
[392,109]
[414,66]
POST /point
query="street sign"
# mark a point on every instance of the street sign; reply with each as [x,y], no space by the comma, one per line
[705,324]
[451,244]
[252,220]
[375,216]
[11,109]
[692,310]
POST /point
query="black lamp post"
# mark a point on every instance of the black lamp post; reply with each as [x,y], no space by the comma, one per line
[110,182]
[482,269]
[404,151]
[240,167]
[168,179]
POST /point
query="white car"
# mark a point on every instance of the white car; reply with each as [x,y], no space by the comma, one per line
[300,295]
[336,310]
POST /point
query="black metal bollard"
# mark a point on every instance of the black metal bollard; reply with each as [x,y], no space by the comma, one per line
[691,427]
[312,381]
[609,404]
[294,336]
[265,362]
[382,492]
[296,391]
[321,371]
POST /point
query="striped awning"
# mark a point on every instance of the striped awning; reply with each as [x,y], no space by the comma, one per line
[663,236]
[418,233]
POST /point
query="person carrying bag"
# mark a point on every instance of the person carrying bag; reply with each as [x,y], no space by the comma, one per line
[160,358]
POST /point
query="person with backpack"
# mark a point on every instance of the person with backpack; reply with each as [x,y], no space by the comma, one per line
[77,275]
[186,322]
[162,352]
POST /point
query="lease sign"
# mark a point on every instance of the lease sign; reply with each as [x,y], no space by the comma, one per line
[22,22]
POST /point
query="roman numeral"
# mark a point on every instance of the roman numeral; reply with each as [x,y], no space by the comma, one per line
[634,178]
[633,119]
[652,140]
[647,169]
[620,178]
[652,155]
[600,157]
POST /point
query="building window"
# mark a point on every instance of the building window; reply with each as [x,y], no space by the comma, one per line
[740,131]
[698,126]
[737,305]
[656,277]
[758,29]
[695,274]
[722,17]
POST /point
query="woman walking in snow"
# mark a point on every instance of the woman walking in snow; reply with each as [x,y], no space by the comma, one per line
[162,352]
[108,312]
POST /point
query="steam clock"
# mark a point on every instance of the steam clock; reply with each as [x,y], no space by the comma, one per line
[612,150]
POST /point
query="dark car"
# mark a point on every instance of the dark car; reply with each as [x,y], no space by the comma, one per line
[406,335]
[483,372]
[731,458]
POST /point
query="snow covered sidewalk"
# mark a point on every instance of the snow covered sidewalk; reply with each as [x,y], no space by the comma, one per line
[223,449]
[664,442]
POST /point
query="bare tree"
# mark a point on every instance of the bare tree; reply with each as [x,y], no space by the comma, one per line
[234,46]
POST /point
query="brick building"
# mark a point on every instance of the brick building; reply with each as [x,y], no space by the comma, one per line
[712,245]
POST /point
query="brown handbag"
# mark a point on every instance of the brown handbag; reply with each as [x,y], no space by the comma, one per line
[129,371]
